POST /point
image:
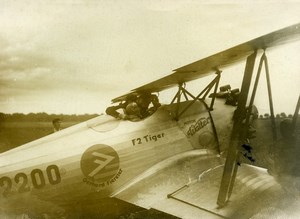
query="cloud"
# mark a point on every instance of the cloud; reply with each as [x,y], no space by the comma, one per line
[103,49]
[22,65]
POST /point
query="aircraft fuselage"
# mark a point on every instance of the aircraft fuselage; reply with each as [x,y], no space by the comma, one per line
[101,155]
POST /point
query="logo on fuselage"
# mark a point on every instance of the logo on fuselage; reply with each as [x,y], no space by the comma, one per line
[100,165]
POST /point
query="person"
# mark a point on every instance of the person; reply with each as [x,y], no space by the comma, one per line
[56,125]
[113,110]
[135,107]
[133,112]
[144,101]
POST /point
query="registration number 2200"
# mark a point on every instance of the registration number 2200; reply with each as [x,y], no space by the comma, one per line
[37,177]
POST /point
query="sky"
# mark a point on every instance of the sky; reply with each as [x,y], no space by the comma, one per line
[73,57]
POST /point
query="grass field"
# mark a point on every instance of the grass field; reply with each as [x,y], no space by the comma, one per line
[13,134]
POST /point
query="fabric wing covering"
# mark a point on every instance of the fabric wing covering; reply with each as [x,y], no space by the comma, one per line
[222,59]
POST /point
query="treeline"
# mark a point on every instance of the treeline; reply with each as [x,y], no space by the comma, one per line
[44,117]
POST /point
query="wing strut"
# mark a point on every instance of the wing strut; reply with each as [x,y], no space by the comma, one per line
[264,60]
[230,167]
[270,98]
[240,131]
[181,90]
[296,115]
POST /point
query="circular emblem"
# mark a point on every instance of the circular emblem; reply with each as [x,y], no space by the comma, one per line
[206,139]
[100,163]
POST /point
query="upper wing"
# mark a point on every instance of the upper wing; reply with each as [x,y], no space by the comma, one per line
[188,188]
[210,64]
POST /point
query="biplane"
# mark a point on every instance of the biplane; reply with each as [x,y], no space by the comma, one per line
[192,158]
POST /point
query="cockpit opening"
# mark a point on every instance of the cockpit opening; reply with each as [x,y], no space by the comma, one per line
[136,107]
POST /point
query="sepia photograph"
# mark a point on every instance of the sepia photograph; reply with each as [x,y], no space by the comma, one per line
[149,109]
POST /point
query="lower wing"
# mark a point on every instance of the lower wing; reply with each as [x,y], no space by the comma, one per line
[187,186]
